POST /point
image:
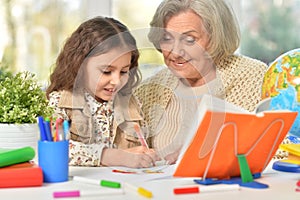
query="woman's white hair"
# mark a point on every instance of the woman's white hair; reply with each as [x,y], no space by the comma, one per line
[218,20]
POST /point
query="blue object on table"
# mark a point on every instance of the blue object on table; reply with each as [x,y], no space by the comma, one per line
[234,180]
[286,167]
[294,139]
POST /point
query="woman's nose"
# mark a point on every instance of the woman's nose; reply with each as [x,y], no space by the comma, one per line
[178,49]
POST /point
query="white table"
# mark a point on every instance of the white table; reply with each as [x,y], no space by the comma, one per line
[281,186]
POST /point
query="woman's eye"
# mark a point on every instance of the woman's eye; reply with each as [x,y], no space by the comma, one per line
[166,38]
[189,40]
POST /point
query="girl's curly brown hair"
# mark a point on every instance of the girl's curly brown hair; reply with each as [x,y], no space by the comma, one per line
[93,37]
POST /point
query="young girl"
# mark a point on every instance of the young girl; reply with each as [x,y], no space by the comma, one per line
[91,86]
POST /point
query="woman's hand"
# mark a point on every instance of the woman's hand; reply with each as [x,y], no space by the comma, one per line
[172,157]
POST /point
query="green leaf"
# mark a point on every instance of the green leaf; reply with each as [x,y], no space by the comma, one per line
[21,99]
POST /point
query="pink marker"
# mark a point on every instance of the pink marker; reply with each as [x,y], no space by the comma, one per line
[77,193]
[58,130]
[140,136]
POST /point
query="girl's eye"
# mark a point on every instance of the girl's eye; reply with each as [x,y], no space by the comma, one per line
[124,72]
[106,72]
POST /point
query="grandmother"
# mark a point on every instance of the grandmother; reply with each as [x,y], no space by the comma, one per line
[198,40]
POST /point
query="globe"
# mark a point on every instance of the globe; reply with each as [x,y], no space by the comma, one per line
[282,84]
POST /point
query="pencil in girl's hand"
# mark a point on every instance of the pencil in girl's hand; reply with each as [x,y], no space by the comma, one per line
[140,135]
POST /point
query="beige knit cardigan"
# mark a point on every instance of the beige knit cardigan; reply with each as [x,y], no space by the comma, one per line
[241,79]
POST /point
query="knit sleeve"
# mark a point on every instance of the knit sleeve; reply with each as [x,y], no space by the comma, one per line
[243,78]
[154,95]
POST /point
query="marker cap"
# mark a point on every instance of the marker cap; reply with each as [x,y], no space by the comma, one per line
[144,192]
[110,184]
[74,193]
[187,190]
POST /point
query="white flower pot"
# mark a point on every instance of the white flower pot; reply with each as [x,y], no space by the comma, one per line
[19,135]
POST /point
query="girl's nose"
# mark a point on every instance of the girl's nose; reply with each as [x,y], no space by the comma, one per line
[115,79]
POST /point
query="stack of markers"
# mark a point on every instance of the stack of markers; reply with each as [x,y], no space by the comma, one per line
[48,133]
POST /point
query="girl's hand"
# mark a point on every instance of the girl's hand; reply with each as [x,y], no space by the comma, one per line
[141,157]
[136,157]
[138,149]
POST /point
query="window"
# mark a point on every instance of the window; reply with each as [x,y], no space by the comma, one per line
[34,30]
[137,16]
[268,28]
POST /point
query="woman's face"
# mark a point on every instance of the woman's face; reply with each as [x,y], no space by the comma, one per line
[184,45]
[107,73]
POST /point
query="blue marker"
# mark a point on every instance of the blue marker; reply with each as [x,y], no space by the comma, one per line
[66,128]
[42,128]
[48,130]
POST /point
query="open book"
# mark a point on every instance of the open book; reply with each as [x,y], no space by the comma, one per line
[222,132]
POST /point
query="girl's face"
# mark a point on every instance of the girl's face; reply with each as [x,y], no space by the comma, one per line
[184,45]
[107,73]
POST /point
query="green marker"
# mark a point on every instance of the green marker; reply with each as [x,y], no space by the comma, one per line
[103,183]
[110,184]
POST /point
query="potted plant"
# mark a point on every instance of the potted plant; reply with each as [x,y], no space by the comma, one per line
[22,100]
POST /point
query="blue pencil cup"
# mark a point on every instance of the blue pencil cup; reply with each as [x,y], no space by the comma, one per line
[53,158]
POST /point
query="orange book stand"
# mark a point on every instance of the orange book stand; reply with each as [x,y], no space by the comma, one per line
[222,136]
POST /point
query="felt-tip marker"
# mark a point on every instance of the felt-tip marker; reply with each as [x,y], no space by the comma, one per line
[112,184]
[142,191]
[77,193]
[66,128]
[43,136]
[198,189]
[140,136]
[123,171]
[104,183]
